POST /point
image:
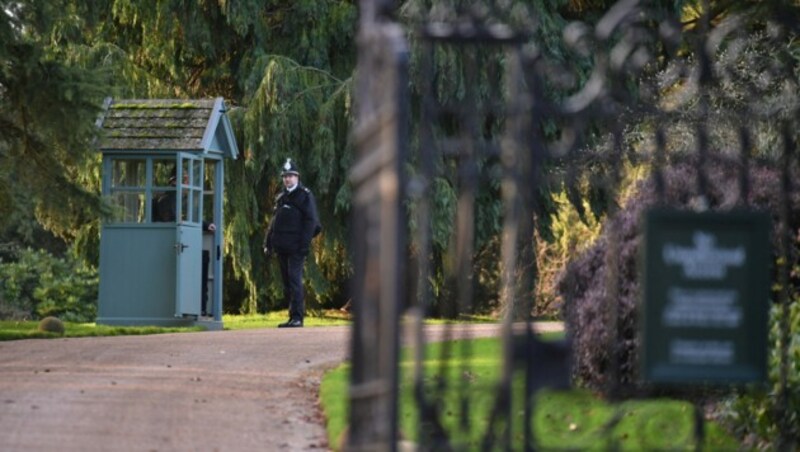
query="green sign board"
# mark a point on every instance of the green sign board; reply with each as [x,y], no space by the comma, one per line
[706,297]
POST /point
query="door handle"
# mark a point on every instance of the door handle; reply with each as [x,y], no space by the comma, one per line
[179,247]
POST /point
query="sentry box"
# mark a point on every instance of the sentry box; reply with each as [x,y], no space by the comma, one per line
[163,167]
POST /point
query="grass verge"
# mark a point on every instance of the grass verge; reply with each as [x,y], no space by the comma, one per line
[332,317]
[29,329]
[563,420]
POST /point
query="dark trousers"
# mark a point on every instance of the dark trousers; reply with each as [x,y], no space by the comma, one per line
[292,276]
[204,281]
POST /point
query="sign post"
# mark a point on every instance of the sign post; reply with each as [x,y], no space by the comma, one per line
[706,297]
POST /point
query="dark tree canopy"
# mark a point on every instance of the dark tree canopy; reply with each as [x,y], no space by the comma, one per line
[48,107]
[285,67]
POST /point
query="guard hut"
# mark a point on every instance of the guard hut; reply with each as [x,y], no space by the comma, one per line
[163,167]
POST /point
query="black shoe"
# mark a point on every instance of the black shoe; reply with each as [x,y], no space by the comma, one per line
[292,324]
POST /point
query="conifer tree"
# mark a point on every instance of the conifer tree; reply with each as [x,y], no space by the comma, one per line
[285,70]
[48,107]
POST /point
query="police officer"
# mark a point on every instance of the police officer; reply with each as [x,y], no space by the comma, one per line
[294,223]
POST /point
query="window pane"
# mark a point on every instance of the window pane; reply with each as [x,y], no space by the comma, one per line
[128,206]
[197,175]
[208,207]
[211,173]
[197,196]
[127,172]
[185,206]
[164,206]
[208,190]
[186,171]
[163,169]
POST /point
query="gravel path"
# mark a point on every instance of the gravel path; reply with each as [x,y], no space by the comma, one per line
[247,390]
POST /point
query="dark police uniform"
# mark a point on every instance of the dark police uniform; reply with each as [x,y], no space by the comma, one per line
[294,223]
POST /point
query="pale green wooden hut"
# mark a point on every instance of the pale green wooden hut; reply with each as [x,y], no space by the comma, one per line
[163,167]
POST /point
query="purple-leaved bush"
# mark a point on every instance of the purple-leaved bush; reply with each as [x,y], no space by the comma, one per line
[583,284]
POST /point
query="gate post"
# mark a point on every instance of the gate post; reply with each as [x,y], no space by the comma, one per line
[378,229]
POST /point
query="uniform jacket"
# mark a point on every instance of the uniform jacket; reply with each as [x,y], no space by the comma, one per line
[294,222]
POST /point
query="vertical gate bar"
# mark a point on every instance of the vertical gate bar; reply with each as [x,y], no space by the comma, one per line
[612,270]
[396,240]
[511,188]
[501,410]
[521,131]
[699,426]
[659,162]
[379,232]
[705,79]
[533,113]
[441,437]
[744,163]
[788,153]
[465,234]
[429,431]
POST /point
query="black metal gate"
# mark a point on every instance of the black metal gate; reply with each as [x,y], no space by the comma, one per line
[519,125]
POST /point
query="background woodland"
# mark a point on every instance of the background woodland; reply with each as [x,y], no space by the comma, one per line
[286,70]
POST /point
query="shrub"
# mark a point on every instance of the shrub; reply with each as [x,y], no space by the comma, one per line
[17,283]
[52,325]
[39,284]
[583,288]
[583,284]
[757,415]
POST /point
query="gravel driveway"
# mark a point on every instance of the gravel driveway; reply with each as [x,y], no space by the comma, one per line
[246,390]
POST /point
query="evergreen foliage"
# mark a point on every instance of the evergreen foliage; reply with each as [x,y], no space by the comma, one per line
[36,285]
[474,75]
[287,71]
[300,113]
[286,64]
[48,107]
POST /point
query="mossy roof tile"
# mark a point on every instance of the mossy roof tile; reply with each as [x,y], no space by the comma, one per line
[156,124]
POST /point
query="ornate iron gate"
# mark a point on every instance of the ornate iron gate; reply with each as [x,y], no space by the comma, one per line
[547,124]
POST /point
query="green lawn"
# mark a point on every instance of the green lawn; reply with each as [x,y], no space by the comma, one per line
[563,420]
[272,319]
[13,330]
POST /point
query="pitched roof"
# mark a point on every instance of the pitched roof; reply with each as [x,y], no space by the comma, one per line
[198,125]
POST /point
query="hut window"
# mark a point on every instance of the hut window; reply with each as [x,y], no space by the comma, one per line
[128,173]
[163,169]
[128,177]
[208,190]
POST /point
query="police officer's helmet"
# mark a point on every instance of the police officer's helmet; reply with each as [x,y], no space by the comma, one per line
[290,168]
